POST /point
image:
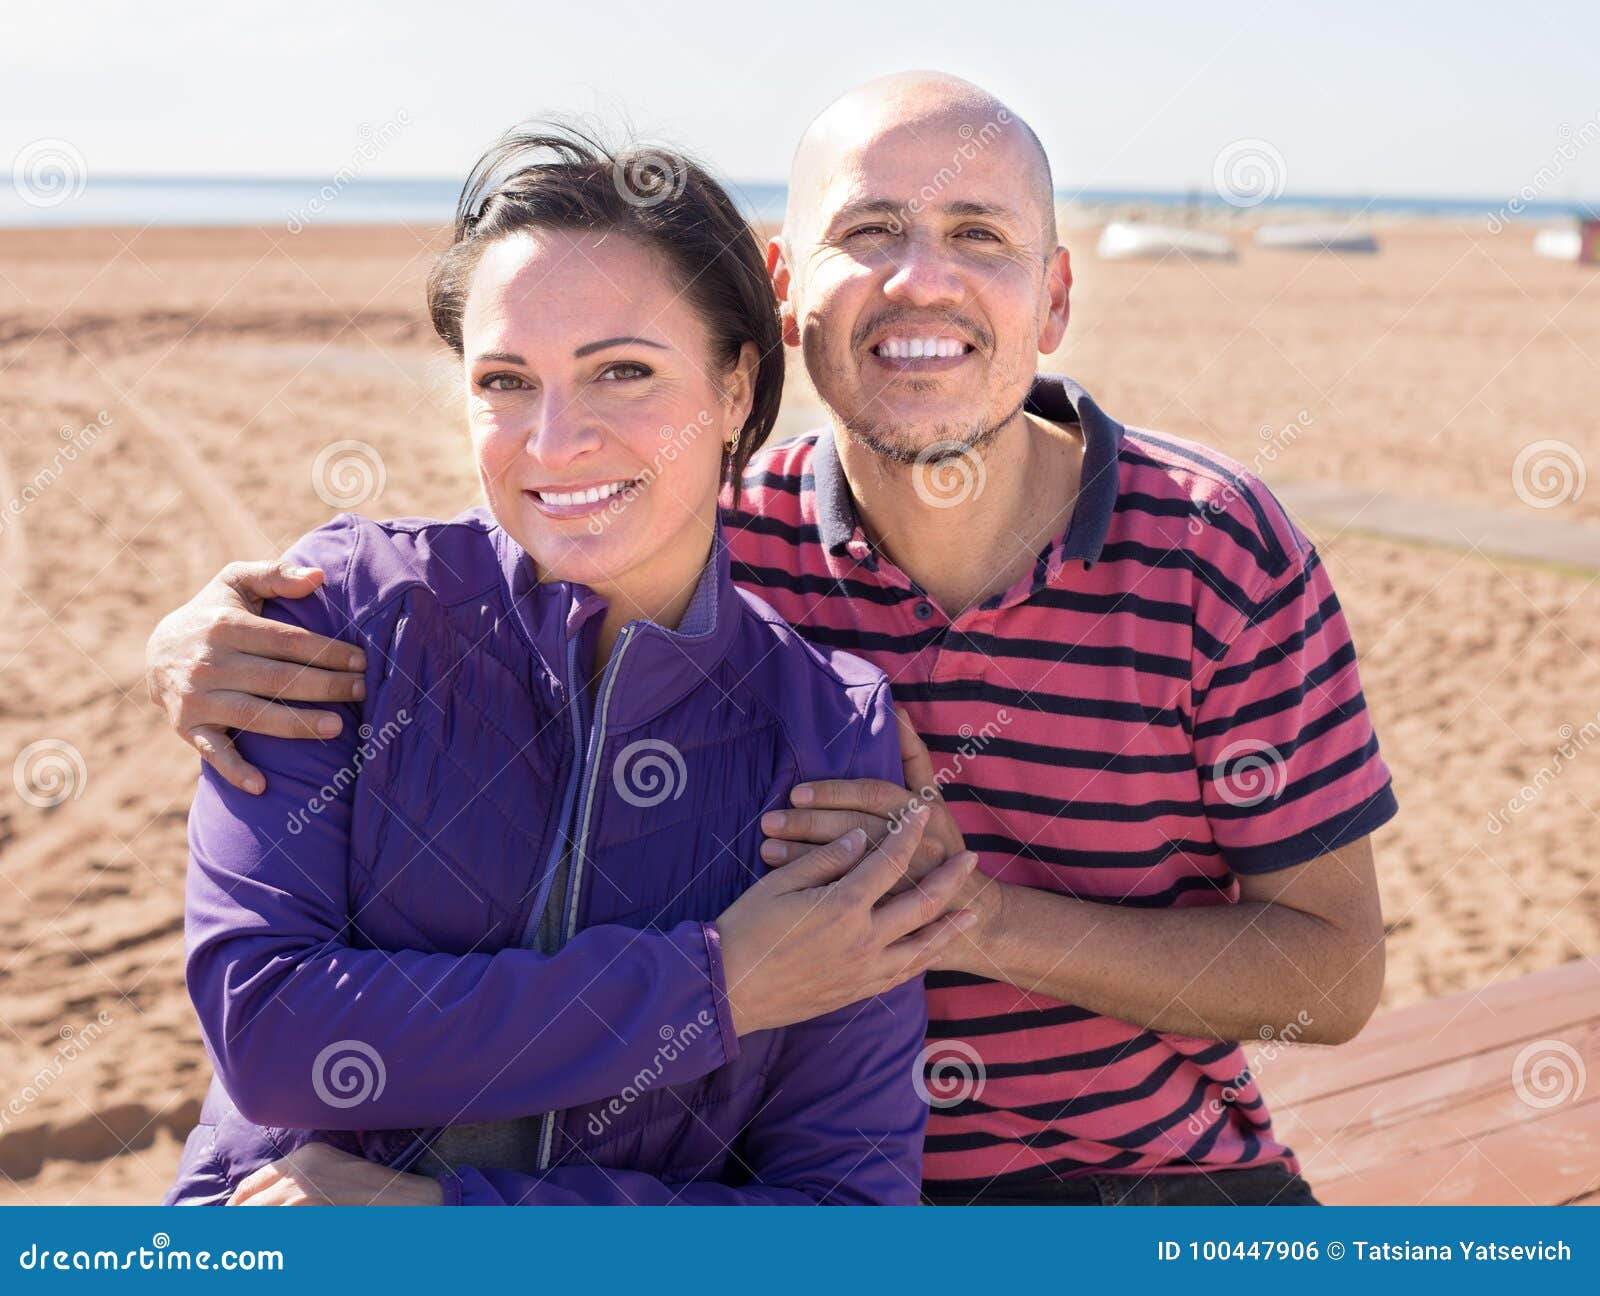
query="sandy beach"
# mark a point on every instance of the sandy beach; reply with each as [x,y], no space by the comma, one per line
[171,399]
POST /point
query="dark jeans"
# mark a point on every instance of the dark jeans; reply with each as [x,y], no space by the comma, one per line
[1270,1185]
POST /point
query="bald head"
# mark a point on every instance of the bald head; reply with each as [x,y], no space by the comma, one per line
[938,115]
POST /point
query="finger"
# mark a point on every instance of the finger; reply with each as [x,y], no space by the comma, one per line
[921,904]
[244,672]
[819,826]
[928,856]
[270,579]
[256,1181]
[218,751]
[914,954]
[868,796]
[914,757]
[879,871]
[257,715]
[261,636]
[820,865]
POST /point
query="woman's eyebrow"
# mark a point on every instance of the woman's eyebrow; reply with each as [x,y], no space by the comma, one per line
[589,348]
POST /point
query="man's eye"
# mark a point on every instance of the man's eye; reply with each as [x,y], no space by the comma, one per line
[982,235]
[873,230]
[624,370]
[503,382]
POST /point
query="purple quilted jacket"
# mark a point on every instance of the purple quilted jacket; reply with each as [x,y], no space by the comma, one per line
[490,899]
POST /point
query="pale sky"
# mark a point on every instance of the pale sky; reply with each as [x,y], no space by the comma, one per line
[1468,98]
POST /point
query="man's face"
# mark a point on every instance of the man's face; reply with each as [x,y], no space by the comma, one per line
[922,282]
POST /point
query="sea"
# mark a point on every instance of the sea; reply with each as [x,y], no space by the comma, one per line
[68,198]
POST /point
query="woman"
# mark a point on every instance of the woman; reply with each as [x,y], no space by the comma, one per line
[497,940]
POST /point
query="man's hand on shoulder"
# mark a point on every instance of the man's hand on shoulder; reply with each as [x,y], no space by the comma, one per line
[216,664]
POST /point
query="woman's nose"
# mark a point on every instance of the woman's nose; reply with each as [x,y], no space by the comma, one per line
[562,433]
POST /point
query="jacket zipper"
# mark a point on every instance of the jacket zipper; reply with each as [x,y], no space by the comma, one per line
[560,845]
[423,1139]
[597,739]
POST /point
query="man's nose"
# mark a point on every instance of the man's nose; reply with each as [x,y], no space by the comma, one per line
[925,276]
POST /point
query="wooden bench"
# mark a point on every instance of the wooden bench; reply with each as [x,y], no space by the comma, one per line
[1485,1097]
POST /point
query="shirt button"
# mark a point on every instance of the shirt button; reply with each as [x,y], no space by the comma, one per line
[924,609]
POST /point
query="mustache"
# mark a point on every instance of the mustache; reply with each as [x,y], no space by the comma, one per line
[912,320]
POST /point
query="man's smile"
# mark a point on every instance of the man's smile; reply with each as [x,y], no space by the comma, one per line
[920,353]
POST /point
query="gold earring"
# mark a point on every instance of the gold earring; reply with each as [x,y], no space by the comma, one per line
[733,440]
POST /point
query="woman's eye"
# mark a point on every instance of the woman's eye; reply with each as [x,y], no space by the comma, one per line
[503,382]
[623,370]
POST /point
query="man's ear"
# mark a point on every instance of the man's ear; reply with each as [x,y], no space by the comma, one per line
[782,281]
[1058,291]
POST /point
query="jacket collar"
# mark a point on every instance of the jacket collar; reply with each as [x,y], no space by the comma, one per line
[1052,397]
[657,667]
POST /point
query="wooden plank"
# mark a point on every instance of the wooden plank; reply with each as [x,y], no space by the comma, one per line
[1469,1098]
[1542,1162]
[1410,1039]
[1422,1108]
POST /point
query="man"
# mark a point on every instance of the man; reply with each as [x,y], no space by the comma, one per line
[1130,670]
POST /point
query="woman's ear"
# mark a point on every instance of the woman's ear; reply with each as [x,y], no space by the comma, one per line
[740,385]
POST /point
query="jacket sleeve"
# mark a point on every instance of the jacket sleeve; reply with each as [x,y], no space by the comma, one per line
[842,1118]
[309,1031]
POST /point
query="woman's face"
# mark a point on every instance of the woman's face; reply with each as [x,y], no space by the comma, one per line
[598,415]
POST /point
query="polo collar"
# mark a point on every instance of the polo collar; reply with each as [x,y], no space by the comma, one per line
[1053,397]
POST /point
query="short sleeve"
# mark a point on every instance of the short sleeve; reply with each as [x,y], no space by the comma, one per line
[1288,760]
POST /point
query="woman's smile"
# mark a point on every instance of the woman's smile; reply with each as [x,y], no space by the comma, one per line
[578,501]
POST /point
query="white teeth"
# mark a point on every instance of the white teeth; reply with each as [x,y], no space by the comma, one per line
[566,499]
[897,348]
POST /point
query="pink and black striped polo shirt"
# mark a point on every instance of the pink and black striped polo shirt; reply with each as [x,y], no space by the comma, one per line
[1167,700]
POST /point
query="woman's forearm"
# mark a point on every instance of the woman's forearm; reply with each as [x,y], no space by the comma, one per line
[332,1037]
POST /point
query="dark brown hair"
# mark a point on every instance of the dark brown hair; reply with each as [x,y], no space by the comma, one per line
[557,176]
